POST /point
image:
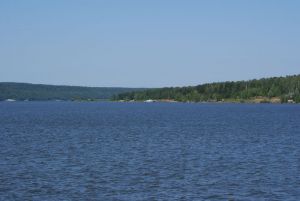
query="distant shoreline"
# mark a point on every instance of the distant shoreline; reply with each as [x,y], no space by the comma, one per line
[265,90]
[155,101]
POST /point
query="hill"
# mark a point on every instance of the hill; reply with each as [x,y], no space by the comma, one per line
[275,89]
[25,91]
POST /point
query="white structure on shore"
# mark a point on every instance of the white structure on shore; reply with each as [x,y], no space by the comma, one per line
[149,101]
[10,100]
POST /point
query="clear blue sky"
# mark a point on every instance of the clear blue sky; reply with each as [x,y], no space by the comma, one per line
[147,43]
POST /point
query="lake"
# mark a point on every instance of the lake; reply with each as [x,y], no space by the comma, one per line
[149,151]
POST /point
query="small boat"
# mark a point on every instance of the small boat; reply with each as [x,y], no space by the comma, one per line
[149,101]
[10,100]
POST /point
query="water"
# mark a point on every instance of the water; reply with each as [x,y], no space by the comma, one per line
[156,151]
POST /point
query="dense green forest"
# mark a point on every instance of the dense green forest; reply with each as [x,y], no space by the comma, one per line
[275,89]
[24,91]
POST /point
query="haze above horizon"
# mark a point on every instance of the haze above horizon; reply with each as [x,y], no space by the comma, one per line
[147,43]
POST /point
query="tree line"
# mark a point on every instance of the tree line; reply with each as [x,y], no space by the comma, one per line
[25,91]
[284,88]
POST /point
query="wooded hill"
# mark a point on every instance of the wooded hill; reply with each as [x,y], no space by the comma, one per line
[24,91]
[277,89]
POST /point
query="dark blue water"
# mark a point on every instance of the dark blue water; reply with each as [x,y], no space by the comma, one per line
[139,151]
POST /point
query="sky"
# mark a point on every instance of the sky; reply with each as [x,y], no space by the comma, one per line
[147,43]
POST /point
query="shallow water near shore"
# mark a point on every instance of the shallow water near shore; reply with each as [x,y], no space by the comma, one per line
[149,151]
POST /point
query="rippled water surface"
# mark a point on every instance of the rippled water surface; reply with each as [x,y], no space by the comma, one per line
[155,151]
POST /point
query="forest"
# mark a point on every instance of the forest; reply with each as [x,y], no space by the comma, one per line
[274,89]
[41,92]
